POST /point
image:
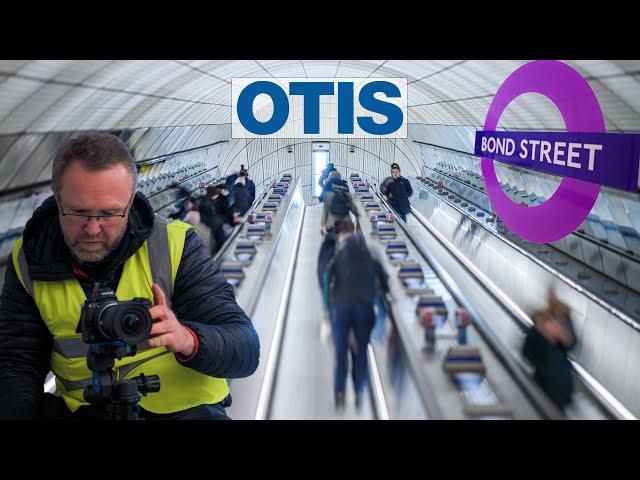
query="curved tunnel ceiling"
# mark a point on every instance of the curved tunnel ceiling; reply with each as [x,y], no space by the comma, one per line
[53,95]
[164,107]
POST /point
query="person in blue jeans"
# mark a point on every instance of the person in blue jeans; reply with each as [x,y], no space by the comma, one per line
[353,279]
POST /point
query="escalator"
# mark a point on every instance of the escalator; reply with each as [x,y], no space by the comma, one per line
[506,279]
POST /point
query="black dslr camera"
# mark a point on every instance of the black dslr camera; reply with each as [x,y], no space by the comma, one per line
[113,329]
[105,319]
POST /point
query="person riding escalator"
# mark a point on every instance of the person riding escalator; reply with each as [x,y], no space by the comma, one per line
[397,190]
[547,345]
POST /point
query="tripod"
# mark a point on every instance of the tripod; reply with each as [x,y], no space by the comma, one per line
[119,397]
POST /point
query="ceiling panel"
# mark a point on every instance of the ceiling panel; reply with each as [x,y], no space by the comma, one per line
[128,93]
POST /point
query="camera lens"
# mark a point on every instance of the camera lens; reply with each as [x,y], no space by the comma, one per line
[131,323]
[126,321]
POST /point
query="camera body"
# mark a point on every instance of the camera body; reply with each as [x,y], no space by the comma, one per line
[104,318]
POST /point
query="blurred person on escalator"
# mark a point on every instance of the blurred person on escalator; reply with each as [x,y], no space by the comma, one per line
[231,179]
[192,217]
[334,179]
[207,223]
[241,196]
[181,196]
[546,346]
[338,203]
[219,195]
[250,186]
[230,182]
[397,190]
[324,175]
[353,279]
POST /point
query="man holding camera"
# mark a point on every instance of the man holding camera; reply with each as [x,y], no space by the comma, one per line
[97,232]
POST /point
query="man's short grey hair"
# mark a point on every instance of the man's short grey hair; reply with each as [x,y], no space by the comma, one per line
[94,151]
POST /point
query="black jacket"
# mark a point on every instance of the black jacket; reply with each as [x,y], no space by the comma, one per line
[214,221]
[202,300]
[553,370]
[241,199]
[222,208]
[230,180]
[251,188]
[398,191]
[354,276]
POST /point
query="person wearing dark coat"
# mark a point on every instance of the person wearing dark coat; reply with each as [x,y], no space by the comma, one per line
[231,179]
[230,182]
[62,244]
[547,345]
[182,199]
[397,191]
[352,281]
[214,221]
[325,173]
[219,196]
[250,186]
[334,178]
[242,198]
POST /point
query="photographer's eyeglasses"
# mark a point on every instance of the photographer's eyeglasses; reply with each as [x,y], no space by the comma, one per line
[105,219]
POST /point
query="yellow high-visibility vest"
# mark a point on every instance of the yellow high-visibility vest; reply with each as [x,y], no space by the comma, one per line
[60,301]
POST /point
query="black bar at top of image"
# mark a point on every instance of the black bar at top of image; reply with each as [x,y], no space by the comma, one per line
[328,34]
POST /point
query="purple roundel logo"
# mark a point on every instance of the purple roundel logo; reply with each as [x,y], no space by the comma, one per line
[571,203]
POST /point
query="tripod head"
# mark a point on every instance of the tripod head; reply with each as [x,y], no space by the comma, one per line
[119,397]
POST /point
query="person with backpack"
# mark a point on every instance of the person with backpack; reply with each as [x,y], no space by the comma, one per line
[334,178]
[397,190]
[324,175]
[337,206]
[338,202]
[353,280]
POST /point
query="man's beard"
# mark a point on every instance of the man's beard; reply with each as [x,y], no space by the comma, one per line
[92,256]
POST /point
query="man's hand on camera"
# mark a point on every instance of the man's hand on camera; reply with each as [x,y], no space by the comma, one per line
[167,331]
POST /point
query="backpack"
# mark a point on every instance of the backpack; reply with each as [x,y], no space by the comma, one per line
[339,206]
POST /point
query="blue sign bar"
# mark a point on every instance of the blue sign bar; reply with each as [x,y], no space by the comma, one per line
[609,159]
